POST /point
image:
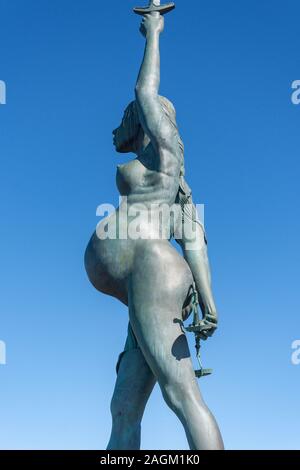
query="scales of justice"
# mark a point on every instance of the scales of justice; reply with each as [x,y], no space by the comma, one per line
[160,287]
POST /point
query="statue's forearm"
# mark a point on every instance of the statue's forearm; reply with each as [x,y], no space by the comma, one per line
[149,76]
[195,254]
[194,246]
[197,260]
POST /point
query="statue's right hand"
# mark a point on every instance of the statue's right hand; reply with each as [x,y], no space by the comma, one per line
[152,24]
[209,324]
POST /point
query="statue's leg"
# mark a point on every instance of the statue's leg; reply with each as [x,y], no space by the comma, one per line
[155,301]
[134,384]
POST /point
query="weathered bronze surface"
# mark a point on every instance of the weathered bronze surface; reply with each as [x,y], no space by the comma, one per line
[160,287]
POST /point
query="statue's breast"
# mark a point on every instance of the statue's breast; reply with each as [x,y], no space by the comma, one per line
[135,177]
[130,177]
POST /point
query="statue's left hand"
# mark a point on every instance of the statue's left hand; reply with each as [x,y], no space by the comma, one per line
[152,24]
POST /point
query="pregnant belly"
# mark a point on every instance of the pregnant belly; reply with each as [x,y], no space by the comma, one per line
[111,252]
[108,259]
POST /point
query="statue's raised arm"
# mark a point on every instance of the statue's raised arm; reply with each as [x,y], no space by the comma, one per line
[155,112]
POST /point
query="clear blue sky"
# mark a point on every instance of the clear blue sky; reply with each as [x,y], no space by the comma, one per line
[70,68]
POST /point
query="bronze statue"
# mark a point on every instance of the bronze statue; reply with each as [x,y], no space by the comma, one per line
[146,273]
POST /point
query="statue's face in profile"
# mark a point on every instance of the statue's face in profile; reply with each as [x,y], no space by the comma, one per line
[126,134]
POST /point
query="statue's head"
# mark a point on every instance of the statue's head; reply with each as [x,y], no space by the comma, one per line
[130,132]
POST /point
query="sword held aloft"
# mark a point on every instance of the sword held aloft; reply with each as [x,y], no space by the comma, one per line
[155,7]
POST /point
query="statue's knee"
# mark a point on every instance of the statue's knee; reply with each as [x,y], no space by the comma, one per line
[178,396]
[173,394]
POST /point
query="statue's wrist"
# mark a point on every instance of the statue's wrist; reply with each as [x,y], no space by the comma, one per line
[153,33]
[208,307]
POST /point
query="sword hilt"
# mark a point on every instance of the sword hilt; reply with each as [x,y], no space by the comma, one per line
[155,7]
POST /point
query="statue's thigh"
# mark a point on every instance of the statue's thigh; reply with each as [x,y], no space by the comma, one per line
[157,290]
